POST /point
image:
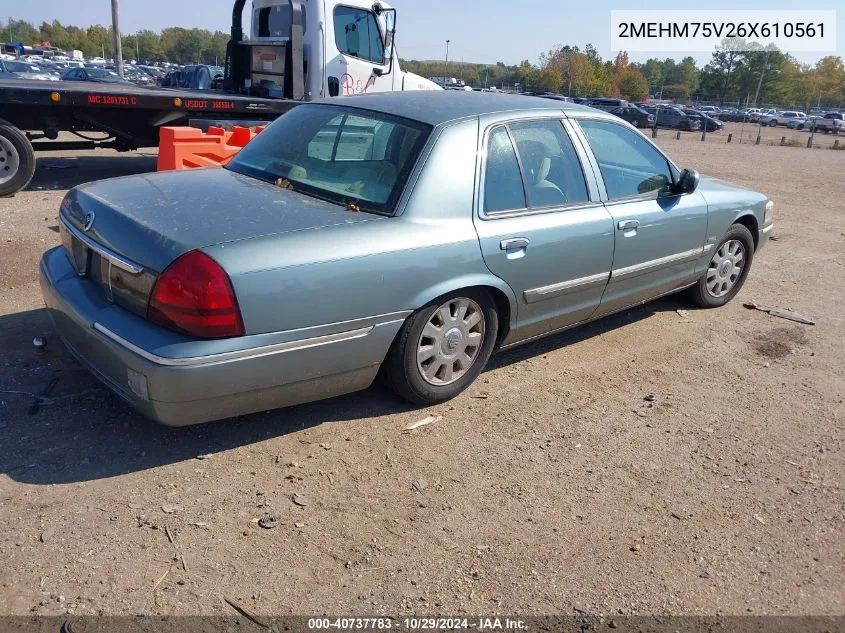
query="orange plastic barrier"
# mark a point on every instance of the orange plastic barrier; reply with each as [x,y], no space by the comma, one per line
[188,147]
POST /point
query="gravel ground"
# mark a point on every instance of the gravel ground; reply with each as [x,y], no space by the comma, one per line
[747,134]
[555,480]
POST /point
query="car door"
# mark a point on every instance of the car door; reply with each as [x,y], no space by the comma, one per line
[357,61]
[659,237]
[541,224]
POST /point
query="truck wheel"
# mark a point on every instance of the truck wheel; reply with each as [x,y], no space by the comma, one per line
[17,159]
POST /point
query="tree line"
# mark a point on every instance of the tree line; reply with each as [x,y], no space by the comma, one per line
[732,76]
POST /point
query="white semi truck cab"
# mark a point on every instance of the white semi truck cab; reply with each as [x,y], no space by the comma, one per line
[308,49]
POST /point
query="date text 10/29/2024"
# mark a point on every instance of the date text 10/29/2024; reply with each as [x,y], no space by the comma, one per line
[416,624]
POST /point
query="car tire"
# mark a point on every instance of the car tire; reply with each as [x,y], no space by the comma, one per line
[800,126]
[719,283]
[17,159]
[773,123]
[447,343]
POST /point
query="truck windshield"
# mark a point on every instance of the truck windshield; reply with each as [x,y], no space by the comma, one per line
[340,154]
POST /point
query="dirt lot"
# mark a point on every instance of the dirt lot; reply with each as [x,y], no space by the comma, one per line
[747,134]
[551,483]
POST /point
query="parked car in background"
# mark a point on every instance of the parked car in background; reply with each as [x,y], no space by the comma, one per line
[13,69]
[799,119]
[280,307]
[96,75]
[766,112]
[606,102]
[751,114]
[555,97]
[673,117]
[730,114]
[707,122]
[830,123]
[634,115]
[709,109]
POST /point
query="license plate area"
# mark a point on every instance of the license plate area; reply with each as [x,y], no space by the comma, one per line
[77,252]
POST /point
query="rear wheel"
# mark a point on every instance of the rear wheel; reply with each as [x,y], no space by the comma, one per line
[443,347]
[773,123]
[17,159]
[727,270]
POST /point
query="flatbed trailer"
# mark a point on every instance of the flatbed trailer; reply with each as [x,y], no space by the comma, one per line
[32,113]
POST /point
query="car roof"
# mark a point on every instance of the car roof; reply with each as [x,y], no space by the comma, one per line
[436,107]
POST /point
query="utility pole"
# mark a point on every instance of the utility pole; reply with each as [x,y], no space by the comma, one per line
[137,50]
[762,74]
[115,34]
[446,65]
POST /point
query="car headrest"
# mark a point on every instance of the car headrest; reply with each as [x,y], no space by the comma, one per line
[535,160]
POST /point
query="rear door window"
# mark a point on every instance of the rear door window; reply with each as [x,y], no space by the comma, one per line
[551,169]
[502,181]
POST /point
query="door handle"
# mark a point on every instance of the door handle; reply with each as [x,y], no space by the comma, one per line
[628,225]
[514,242]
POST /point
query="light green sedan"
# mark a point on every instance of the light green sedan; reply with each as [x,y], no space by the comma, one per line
[412,233]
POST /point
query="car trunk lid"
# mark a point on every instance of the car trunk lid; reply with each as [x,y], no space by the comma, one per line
[122,233]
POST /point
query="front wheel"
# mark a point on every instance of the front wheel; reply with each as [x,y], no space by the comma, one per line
[443,347]
[773,123]
[727,270]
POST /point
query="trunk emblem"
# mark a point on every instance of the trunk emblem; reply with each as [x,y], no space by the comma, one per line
[89,221]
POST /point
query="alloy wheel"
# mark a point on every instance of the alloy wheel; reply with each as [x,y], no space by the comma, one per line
[725,268]
[450,341]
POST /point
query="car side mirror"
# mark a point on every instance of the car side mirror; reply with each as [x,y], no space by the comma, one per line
[687,182]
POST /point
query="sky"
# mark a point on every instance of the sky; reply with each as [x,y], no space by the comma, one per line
[485,31]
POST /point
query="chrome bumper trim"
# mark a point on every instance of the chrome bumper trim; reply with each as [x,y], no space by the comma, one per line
[767,229]
[653,264]
[253,352]
[114,258]
[564,287]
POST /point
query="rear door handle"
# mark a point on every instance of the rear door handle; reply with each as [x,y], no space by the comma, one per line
[513,243]
[628,225]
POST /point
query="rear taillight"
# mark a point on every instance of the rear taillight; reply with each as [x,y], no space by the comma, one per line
[194,295]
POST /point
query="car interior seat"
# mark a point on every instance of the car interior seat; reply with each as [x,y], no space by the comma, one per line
[537,162]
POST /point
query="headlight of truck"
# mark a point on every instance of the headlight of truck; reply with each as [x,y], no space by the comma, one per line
[769,217]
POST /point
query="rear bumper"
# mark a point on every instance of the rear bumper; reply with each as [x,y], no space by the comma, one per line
[178,381]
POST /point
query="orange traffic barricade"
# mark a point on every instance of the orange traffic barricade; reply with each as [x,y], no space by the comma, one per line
[188,147]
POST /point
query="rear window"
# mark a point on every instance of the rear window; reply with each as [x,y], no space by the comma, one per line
[275,21]
[17,67]
[338,154]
